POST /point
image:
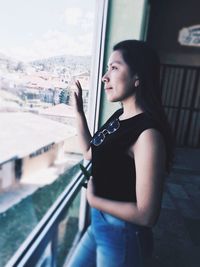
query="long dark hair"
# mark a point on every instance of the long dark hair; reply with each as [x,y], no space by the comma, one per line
[144,62]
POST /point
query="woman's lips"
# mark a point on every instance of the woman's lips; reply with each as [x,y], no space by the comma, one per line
[108,88]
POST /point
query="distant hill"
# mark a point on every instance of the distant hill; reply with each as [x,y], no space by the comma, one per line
[7,62]
[62,61]
[47,64]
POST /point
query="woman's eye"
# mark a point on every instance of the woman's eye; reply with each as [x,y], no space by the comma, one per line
[111,68]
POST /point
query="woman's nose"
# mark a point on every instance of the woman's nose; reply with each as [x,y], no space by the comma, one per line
[105,78]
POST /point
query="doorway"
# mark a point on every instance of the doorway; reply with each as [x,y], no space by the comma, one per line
[174,32]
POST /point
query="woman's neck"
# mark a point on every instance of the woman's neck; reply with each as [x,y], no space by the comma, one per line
[130,109]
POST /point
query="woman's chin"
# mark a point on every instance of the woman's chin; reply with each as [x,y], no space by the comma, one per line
[111,98]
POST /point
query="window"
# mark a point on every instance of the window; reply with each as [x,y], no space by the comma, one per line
[45,46]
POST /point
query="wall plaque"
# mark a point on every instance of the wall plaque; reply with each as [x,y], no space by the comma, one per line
[190,36]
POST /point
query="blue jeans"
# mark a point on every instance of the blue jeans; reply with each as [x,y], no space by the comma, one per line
[112,242]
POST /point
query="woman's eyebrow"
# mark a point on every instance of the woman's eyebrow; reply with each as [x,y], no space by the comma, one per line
[114,62]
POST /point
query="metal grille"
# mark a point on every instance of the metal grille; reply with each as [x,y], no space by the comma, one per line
[181,98]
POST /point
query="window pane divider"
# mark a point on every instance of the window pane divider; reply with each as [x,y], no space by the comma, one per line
[40,235]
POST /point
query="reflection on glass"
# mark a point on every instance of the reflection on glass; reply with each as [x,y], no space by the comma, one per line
[62,240]
[67,230]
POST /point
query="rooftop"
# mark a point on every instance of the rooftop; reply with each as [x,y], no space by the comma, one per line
[62,110]
[24,133]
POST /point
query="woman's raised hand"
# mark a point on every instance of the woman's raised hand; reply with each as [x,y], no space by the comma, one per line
[83,131]
[78,99]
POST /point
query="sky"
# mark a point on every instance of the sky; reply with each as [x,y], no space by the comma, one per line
[35,29]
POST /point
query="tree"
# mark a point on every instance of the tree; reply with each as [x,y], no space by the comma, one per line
[63,96]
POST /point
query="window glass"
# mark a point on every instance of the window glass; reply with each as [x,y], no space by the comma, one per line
[45,46]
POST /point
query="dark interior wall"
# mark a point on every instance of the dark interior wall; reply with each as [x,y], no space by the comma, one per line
[167,18]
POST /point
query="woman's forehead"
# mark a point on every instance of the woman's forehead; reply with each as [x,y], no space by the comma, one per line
[116,57]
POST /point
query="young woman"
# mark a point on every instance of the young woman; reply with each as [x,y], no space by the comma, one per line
[130,155]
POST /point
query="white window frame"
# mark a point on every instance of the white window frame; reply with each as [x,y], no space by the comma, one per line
[101,11]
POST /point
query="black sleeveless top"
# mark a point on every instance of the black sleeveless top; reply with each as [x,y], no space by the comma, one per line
[113,169]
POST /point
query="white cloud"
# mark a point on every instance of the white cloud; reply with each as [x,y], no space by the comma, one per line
[87,23]
[73,37]
[53,43]
[72,16]
[76,18]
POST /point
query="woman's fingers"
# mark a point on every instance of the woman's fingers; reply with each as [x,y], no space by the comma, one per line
[78,85]
[78,97]
[76,100]
[79,91]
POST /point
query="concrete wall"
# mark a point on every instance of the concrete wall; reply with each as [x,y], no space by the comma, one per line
[39,162]
[72,145]
[7,175]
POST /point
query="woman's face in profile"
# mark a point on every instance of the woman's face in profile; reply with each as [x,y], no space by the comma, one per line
[118,81]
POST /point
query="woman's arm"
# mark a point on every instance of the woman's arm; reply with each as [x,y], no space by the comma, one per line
[84,135]
[149,156]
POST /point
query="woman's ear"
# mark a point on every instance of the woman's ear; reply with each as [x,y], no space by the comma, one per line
[136,81]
